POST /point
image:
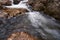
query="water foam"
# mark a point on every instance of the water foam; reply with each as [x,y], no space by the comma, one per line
[22,4]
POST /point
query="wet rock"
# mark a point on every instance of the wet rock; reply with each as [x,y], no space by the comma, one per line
[49,7]
[21,36]
[11,12]
[16,1]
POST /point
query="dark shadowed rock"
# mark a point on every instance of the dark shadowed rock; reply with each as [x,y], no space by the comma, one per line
[37,4]
[1,7]
[50,7]
[4,3]
[16,1]
[53,9]
[1,22]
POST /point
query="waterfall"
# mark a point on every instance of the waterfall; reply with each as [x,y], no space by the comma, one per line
[46,25]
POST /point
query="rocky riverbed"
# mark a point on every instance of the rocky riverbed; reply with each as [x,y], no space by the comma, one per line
[29,19]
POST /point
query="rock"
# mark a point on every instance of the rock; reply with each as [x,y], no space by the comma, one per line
[53,9]
[5,2]
[49,7]
[1,22]
[2,14]
[21,36]
[11,12]
[37,4]
[16,1]
[1,7]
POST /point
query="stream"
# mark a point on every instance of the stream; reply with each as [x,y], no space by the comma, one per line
[34,22]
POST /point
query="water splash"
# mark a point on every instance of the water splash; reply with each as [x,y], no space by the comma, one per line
[36,18]
[39,19]
[44,25]
[22,4]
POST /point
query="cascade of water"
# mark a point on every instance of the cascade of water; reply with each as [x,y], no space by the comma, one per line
[47,24]
[40,21]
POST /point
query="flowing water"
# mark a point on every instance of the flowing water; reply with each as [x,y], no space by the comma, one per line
[36,23]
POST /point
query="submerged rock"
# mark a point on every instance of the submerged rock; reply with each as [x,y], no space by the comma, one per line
[21,36]
[50,7]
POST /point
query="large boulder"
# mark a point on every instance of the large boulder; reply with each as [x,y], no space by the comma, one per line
[50,7]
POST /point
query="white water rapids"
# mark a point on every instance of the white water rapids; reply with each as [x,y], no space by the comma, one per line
[22,4]
[47,26]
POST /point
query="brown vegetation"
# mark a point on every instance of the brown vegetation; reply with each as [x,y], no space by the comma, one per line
[21,36]
[11,12]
